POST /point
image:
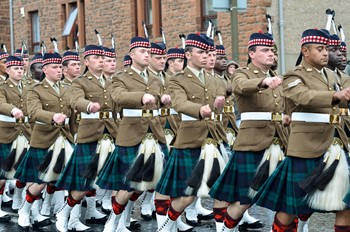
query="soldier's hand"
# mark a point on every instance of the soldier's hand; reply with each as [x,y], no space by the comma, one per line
[148,99]
[271,82]
[166,99]
[205,111]
[229,90]
[343,95]
[286,120]
[94,107]
[17,113]
[59,118]
[219,102]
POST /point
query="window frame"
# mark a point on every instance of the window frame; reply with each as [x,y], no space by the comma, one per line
[34,29]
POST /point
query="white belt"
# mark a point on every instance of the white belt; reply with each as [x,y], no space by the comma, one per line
[166,112]
[263,116]
[5,118]
[97,115]
[140,113]
[213,117]
[314,117]
[66,121]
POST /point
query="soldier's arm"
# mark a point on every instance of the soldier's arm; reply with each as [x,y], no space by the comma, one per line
[295,90]
[180,102]
[5,107]
[35,108]
[121,95]
[242,85]
[78,101]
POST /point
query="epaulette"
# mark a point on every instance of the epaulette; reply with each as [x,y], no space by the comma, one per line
[298,67]
[36,84]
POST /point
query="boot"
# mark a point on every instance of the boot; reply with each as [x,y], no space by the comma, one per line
[112,222]
[58,200]
[203,213]
[92,215]
[106,205]
[6,200]
[74,223]
[62,218]
[17,198]
[37,220]
[24,215]
[146,206]
[160,220]
[167,226]
[249,222]
[225,229]
[303,226]
[46,206]
[181,226]
[219,226]
[191,214]
[4,217]
[124,221]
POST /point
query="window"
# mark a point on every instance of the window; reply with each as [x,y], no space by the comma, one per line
[208,13]
[35,24]
[150,12]
[73,24]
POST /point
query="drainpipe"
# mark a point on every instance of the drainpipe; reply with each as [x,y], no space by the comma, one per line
[234,31]
[281,25]
[11,27]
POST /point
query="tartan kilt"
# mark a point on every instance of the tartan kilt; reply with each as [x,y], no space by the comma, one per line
[4,152]
[71,177]
[281,191]
[347,199]
[112,174]
[178,169]
[233,183]
[27,170]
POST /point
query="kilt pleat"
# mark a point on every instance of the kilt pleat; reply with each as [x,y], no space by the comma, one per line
[27,170]
[233,183]
[112,174]
[72,176]
[178,169]
[4,152]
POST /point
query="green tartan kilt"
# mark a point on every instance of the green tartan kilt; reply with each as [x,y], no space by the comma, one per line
[4,152]
[281,191]
[233,183]
[178,169]
[112,174]
[27,170]
[72,176]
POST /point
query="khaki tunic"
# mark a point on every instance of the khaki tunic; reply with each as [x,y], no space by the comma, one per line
[255,135]
[306,91]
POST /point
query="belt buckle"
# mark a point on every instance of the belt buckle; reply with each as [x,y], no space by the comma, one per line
[228,109]
[147,113]
[78,117]
[20,120]
[164,112]
[343,112]
[337,141]
[334,119]
[103,115]
[277,117]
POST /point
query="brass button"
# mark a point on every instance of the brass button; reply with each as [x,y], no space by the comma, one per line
[207,97]
[21,105]
[105,103]
[259,91]
[276,104]
[206,90]
[227,101]
[21,99]
[90,95]
[334,108]
[46,104]
[275,95]
[104,91]
[61,106]
[60,99]
[147,88]
[105,97]
[192,97]
[330,89]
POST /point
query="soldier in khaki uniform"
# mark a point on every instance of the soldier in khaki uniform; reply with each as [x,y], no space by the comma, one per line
[304,182]
[260,101]
[14,126]
[3,74]
[51,140]
[109,63]
[95,136]
[22,52]
[174,61]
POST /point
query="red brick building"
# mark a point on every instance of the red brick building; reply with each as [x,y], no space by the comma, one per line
[38,20]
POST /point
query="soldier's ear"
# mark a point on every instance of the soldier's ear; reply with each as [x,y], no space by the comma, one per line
[305,50]
[8,71]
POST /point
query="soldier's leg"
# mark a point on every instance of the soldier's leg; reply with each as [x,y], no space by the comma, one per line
[4,217]
[342,221]
[284,222]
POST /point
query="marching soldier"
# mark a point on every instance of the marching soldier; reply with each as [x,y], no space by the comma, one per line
[174,61]
[95,136]
[22,52]
[50,143]
[261,138]
[109,63]
[316,166]
[36,67]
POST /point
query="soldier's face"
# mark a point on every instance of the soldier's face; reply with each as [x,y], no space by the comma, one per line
[140,57]
[262,57]
[211,60]
[26,63]
[15,73]
[157,62]
[344,61]
[221,63]
[53,72]
[37,70]
[109,65]
[3,66]
[231,69]
[72,70]
[335,56]
[197,58]
[176,64]
[95,63]
[316,55]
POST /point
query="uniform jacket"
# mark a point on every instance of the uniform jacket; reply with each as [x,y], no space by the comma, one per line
[73,124]
[188,96]
[257,135]
[43,102]
[306,91]
[10,98]
[86,89]
[128,89]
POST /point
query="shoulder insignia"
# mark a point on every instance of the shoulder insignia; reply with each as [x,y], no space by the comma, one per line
[130,73]
[11,85]
[125,70]
[89,77]
[309,69]
[256,71]
[189,75]
[46,86]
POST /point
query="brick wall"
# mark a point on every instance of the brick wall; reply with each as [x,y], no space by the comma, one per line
[5,23]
